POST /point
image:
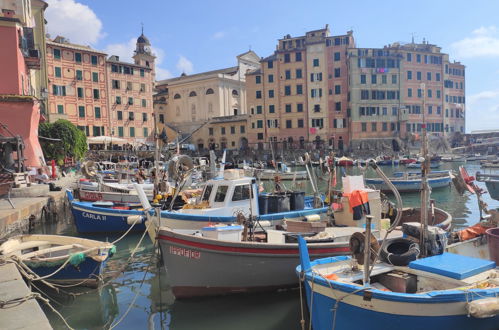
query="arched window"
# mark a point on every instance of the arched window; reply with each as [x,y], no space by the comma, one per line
[176,97]
[235,93]
[193,93]
[209,91]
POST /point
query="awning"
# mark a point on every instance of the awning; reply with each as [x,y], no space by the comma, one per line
[105,140]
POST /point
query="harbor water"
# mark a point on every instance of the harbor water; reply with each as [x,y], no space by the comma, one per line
[138,294]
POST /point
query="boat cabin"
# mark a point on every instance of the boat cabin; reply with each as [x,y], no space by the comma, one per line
[227,196]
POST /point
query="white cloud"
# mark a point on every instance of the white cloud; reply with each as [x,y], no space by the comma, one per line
[184,65]
[483,42]
[219,35]
[73,20]
[480,106]
[125,52]
[162,73]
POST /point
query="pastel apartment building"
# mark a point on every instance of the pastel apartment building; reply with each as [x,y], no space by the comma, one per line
[130,87]
[299,94]
[78,86]
[323,91]
[388,87]
[101,96]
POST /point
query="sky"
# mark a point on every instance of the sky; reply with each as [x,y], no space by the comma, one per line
[196,36]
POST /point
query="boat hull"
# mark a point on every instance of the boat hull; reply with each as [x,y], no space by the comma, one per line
[493,188]
[90,219]
[198,266]
[88,272]
[409,185]
[388,310]
[350,314]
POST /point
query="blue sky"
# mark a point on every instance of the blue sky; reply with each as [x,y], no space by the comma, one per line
[197,36]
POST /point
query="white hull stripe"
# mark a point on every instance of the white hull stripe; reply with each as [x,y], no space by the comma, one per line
[393,307]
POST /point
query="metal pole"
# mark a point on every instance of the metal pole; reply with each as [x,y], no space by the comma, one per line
[424,179]
[367,250]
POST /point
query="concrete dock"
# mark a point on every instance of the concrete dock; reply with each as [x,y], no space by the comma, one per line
[25,315]
[31,205]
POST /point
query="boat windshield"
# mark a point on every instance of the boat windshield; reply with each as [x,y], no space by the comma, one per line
[241,193]
[207,192]
[221,193]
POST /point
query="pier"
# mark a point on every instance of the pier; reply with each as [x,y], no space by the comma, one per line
[23,312]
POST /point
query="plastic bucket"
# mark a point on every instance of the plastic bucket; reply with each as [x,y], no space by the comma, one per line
[263,204]
[297,200]
[493,239]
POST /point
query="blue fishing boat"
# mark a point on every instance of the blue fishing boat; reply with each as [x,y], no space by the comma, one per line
[104,217]
[411,183]
[445,291]
[60,258]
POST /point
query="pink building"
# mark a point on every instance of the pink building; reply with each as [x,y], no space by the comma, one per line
[19,58]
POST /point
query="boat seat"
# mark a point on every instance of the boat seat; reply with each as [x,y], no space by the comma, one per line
[452,265]
[10,247]
[52,249]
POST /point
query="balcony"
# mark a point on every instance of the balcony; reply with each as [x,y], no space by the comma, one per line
[32,59]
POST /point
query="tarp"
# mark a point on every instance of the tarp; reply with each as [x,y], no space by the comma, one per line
[105,139]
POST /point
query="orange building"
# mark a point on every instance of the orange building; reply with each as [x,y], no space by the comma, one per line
[19,59]
[77,86]
[130,88]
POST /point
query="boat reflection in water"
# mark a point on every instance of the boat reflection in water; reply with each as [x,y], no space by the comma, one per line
[95,310]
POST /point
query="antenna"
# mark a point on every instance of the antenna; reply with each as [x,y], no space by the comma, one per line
[142,24]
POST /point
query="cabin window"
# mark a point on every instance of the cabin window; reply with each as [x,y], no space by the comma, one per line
[207,193]
[241,193]
[221,193]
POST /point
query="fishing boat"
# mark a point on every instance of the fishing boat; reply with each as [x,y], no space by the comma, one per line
[104,217]
[61,258]
[201,264]
[344,161]
[490,164]
[387,161]
[418,165]
[439,218]
[454,158]
[407,160]
[412,183]
[223,198]
[446,291]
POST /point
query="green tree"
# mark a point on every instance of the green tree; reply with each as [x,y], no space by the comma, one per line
[73,141]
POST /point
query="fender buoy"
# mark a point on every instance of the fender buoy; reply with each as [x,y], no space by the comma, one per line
[399,251]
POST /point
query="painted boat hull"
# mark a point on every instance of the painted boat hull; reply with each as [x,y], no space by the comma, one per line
[386,310]
[199,266]
[88,271]
[409,185]
[91,219]
[45,254]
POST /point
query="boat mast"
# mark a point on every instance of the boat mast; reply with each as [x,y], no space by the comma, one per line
[156,156]
[425,165]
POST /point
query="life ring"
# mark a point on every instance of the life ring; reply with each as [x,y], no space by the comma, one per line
[400,251]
